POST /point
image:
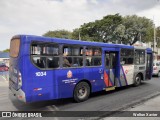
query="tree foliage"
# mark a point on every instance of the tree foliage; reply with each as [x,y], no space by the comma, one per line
[114,28]
[138,28]
[6,50]
[101,30]
[59,34]
[111,28]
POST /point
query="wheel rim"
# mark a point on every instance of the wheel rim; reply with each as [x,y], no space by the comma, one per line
[138,80]
[82,92]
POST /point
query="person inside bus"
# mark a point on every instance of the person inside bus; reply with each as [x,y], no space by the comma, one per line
[40,63]
[66,62]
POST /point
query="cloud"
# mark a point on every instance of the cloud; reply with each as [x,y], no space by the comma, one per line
[39,16]
[136,5]
[153,14]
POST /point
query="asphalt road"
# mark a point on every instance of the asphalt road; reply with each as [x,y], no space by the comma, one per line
[101,101]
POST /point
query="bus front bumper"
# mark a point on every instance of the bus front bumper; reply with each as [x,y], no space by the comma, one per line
[19,94]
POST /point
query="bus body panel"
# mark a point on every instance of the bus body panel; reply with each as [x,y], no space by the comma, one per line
[16,73]
[140,69]
[127,72]
[58,82]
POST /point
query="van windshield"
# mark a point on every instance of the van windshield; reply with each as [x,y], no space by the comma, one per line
[14,47]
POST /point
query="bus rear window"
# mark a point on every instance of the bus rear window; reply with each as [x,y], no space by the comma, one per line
[14,47]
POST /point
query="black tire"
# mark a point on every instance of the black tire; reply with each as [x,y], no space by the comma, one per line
[81,92]
[137,80]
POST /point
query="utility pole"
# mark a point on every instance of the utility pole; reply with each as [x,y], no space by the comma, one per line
[140,39]
[154,42]
[158,40]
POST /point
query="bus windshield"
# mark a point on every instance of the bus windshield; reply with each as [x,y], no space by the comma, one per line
[14,47]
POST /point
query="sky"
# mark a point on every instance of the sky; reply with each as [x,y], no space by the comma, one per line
[36,17]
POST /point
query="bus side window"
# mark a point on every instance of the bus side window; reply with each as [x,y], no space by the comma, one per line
[42,63]
[130,60]
[69,59]
[45,55]
[127,56]
[53,62]
[96,61]
[39,61]
[87,62]
[139,57]
[93,56]
[72,56]
[77,61]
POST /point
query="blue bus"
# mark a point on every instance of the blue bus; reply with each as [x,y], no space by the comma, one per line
[43,68]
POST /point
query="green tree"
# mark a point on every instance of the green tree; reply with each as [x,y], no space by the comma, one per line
[107,27]
[120,33]
[111,28]
[6,50]
[128,29]
[138,28]
[87,32]
[59,34]
[101,30]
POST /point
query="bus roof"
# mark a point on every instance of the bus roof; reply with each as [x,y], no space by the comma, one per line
[71,41]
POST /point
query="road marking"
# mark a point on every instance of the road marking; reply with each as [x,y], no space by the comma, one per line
[52,108]
[3,77]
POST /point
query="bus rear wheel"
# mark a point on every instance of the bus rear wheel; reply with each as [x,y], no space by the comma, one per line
[137,80]
[81,92]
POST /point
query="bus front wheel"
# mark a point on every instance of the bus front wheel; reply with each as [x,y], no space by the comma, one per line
[137,80]
[81,92]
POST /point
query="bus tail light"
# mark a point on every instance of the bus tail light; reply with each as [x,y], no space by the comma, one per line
[19,79]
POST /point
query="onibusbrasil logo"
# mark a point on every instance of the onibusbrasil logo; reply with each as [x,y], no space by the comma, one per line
[21,114]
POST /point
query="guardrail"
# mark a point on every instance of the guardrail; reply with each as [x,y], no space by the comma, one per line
[5,75]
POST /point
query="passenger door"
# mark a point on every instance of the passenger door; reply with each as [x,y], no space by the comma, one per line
[110,68]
